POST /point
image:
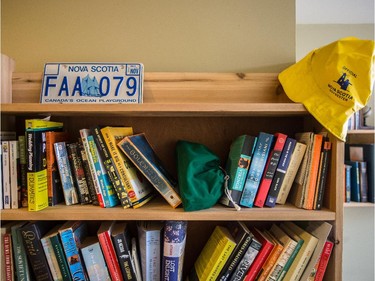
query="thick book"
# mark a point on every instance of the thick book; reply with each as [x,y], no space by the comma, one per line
[325,159]
[258,162]
[55,254]
[237,166]
[66,176]
[150,244]
[246,261]
[55,191]
[243,237]
[109,194]
[366,153]
[94,260]
[289,245]
[173,250]
[300,262]
[31,234]
[104,235]
[324,259]
[291,172]
[214,255]
[270,169]
[121,239]
[21,265]
[141,153]
[355,193]
[72,234]
[14,174]
[264,252]
[133,182]
[78,172]
[111,168]
[282,167]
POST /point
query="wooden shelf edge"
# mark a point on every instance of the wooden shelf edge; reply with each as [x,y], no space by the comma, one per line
[358,205]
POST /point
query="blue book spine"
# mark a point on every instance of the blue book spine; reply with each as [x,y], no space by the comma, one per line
[109,194]
[257,165]
[282,167]
[71,238]
[95,263]
[66,176]
[355,194]
[173,250]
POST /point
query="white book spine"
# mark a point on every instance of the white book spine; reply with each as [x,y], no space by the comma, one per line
[14,184]
[6,174]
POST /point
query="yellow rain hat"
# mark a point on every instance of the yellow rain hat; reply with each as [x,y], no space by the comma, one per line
[333,82]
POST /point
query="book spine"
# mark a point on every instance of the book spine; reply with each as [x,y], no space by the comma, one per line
[290,260]
[109,195]
[84,134]
[283,259]
[15,186]
[35,253]
[324,259]
[276,252]
[23,169]
[111,169]
[282,167]
[79,177]
[347,182]
[70,192]
[72,255]
[257,165]
[138,191]
[60,257]
[247,261]
[95,264]
[270,170]
[123,252]
[51,258]
[355,191]
[157,179]
[8,256]
[322,175]
[88,176]
[110,256]
[363,182]
[173,250]
[6,175]
[21,264]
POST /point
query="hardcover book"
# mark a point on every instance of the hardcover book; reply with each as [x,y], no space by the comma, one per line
[270,169]
[282,167]
[78,172]
[111,168]
[134,183]
[55,191]
[72,234]
[31,233]
[214,255]
[150,245]
[94,260]
[173,250]
[121,239]
[104,235]
[140,152]
[237,166]
[21,265]
[66,176]
[257,165]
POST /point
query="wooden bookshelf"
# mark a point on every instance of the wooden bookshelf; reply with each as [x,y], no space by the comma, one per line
[208,108]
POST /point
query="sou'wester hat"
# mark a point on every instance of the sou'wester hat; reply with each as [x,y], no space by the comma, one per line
[333,82]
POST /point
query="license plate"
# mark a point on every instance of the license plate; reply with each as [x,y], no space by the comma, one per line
[92,83]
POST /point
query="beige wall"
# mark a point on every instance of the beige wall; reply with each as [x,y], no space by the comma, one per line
[190,35]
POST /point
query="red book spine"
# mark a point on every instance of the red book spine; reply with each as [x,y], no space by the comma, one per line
[110,255]
[8,257]
[270,170]
[324,258]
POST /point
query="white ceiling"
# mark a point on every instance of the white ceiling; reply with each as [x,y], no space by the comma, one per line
[335,11]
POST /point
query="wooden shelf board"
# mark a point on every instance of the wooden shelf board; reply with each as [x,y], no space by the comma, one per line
[358,205]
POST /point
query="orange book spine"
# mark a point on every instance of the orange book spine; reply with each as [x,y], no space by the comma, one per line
[272,258]
[314,168]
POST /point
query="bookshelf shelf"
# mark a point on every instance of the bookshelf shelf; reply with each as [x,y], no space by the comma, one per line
[358,205]
[207,108]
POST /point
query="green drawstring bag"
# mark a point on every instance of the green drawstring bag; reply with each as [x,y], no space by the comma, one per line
[201,179]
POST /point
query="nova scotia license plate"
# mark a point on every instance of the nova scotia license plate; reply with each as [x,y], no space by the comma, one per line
[92,83]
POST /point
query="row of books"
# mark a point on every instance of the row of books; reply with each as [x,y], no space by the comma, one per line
[284,251]
[73,250]
[357,121]
[359,173]
[106,166]
[268,169]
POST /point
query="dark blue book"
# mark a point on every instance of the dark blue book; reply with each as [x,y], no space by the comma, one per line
[257,165]
[355,192]
[279,176]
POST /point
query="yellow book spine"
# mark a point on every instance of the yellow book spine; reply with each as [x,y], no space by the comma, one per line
[37,190]
[41,124]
